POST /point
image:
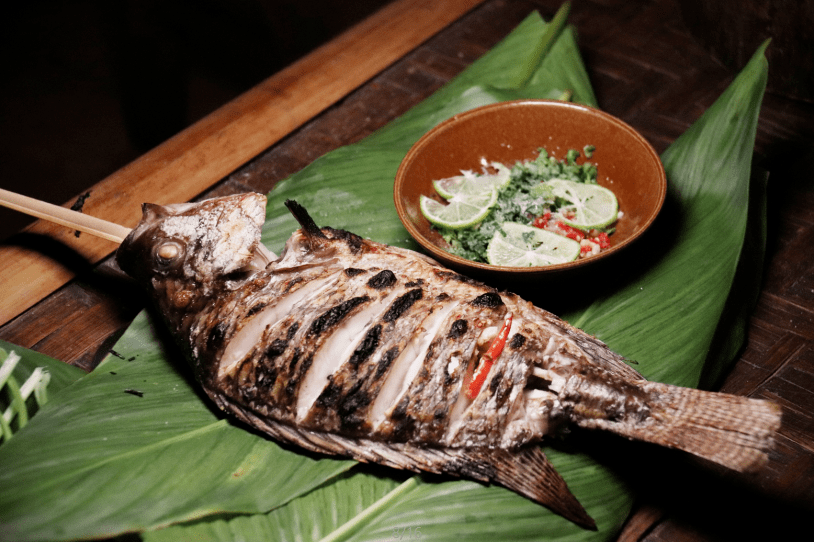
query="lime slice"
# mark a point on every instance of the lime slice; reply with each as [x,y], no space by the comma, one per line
[527,246]
[591,206]
[470,184]
[461,210]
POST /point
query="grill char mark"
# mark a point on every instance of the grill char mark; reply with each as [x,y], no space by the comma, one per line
[458,329]
[402,304]
[353,241]
[217,335]
[256,308]
[291,386]
[488,300]
[292,330]
[382,279]
[329,396]
[517,341]
[351,408]
[276,348]
[335,314]
[367,346]
[385,361]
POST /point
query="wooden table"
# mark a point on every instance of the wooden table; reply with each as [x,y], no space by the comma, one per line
[646,68]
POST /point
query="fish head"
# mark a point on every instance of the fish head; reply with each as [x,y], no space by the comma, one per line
[195,242]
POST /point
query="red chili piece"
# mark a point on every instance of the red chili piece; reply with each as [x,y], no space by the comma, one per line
[571,233]
[542,221]
[486,361]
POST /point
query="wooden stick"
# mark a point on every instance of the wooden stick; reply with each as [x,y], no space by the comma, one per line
[65,217]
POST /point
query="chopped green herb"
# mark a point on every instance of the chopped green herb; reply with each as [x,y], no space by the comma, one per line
[523,199]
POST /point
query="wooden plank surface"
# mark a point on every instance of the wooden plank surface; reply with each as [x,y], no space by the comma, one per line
[200,156]
[648,69]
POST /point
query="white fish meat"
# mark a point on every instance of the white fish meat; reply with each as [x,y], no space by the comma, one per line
[349,347]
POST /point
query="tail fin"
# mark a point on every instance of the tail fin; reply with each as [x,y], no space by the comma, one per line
[733,431]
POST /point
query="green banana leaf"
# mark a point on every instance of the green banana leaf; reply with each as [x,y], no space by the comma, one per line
[134,447]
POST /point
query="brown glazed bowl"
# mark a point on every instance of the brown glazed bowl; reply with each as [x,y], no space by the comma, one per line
[508,132]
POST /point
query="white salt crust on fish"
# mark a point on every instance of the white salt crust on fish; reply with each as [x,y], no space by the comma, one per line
[349,347]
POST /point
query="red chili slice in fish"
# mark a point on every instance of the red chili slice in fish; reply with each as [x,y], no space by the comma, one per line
[486,361]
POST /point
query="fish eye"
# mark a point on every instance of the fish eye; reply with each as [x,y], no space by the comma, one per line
[168,252]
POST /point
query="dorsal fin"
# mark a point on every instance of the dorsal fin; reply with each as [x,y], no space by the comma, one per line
[306,222]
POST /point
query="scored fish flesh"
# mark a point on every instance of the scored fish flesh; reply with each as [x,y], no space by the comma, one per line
[350,347]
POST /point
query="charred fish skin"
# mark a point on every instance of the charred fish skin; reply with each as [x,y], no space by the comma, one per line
[350,347]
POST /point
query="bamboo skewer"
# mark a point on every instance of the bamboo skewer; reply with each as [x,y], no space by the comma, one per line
[65,217]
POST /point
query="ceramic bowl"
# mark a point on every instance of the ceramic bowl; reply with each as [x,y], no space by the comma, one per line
[513,131]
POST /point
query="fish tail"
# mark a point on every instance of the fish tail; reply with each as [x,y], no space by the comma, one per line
[733,431]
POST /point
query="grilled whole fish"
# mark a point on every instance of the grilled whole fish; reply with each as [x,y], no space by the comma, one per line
[350,347]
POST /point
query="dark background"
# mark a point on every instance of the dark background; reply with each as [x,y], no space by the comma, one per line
[87,86]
